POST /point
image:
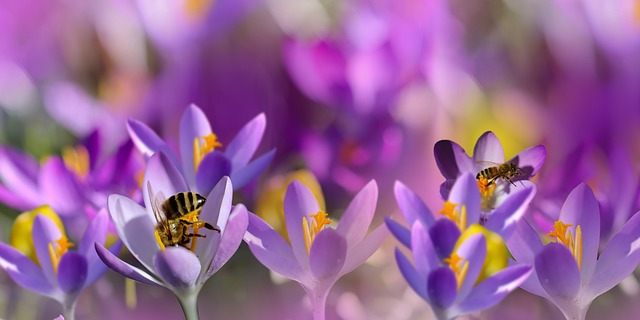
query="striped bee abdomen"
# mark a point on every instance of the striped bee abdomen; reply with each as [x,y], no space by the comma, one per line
[182,203]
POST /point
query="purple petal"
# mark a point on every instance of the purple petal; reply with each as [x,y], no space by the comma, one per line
[424,254]
[411,206]
[216,212]
[399,232]
[442,287]
[44,233]
[444,234]
[72,272]
[474,251]
[193,125]
[135,228]
[233,235]
[24,271]
[271,249]
[123,268]
[177,266]
[244,144]
[96,267]
[144,138]
[465,193]
[327,254]
[488,148]
[18,200]
[524,244]
[581,208]
[299,202]
[19,172]
[417,281]
[94,146]
[242,176]
[364,249]
[504,218]
[558,272]
[213,167]
[530,160]
[618,259]
[163,177]
[95,232]
[60,188]
[452,159]
[492,290]
[355,221]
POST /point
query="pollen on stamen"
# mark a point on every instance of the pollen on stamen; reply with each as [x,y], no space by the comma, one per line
[563,236]
[318,222]
[459,218]
[158,240]
[77,160]
[460,272]
[57,249]
[202,146]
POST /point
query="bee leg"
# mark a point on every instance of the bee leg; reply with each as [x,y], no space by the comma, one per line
[195,235]
[210,227]
[509,179]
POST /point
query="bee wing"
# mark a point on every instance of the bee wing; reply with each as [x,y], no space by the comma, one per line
[156,201]
[487,163]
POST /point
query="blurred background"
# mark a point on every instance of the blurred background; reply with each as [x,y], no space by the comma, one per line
[353,90]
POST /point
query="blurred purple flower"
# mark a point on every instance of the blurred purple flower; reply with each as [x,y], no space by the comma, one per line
[58,273]
[570,272]
[200,161]
[317,257]
[179,269]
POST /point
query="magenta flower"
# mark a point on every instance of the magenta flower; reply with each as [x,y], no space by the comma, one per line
[181,270]
[59,274]
[200,161]
[570,272]
[315,256]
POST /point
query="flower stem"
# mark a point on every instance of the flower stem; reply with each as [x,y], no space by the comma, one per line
[189,304]
[69,310]
[318,304]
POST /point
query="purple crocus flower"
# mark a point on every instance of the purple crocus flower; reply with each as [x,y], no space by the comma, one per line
[315,256]
[181,270]
[58,273]
[452,160]
[200,161]
[569,272]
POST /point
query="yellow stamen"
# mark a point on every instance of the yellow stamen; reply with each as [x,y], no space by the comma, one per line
[130,298]
[563,236]
[202,146]
[311,227]
[77,160]
[158,240]
[459,218]
[460,271]
[57,249]
[195,9]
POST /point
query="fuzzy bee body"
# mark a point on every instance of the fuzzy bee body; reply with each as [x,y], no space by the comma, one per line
[182,204]
[506,171]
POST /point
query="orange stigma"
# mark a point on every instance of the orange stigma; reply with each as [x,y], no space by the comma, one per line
[454,261]
[202,146]
[57,249]
[311,227]
[563,236]
[458,217]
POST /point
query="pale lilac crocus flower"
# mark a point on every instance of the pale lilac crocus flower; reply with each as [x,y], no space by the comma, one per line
[200,161]
[569,271]
[181,270]
[315,256]
[59,273]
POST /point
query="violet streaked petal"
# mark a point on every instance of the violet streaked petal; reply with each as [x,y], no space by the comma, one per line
[504,218]
[442,287]
[299,202]
[18,200]
[135,228]
[399,232]
[95,232]
[242,176]
[465,193]
[532,285]
[23,270]
[213,167]
[177,266]
[72,272]
[530,160]
[581,208]
[144,138]
[425,257]
[473,250]
[193,125]
[163,177]
[60,188]
[123,268]
[364,249]
[216,212]
[444,234]
[327,254]
[618,259]
[524,243]
[44,233]
[233,235]
[271,249]
[488,148]
[411,206]
[244,144]
[356,219]
[492,290]
[417,281]
[558,272]
[19,172]
[96,267]
[452,159]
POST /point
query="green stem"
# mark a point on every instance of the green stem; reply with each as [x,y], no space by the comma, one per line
[69,309]
[189,304]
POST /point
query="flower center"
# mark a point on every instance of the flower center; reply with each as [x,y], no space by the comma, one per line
[487,191]
[563,235]
[202,146]
[195,9]
[458,217]
[77,160]
[311,227]
[460,269]
[57,249]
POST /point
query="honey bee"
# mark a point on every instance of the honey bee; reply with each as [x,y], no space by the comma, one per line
[506,171]
[175,215]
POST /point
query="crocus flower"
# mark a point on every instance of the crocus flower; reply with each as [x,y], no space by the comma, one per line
[452,160]
[58,273]
[569,271]
[315,256]
[181,270]
[200,161]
